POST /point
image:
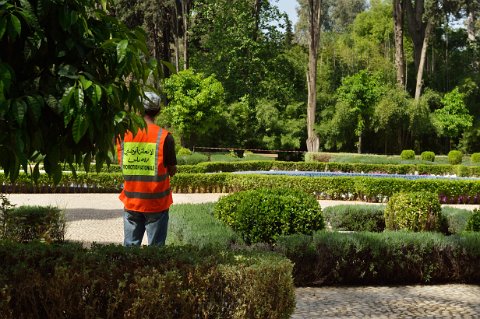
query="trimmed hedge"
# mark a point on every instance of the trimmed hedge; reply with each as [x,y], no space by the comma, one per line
[68,281]
[428,156]
[27,223]
[455,157]
[413,211]
[475,158]
[407,155]
[344,188]
[261,215]
[330,258]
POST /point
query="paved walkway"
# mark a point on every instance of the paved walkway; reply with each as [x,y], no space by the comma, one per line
[98,218]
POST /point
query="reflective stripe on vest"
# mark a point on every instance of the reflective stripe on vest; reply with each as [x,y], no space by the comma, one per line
[147,195]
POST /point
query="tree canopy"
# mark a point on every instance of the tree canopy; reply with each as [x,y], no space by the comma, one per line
[70,80]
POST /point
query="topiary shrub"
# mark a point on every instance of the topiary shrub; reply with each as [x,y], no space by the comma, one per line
[473,222]
[407,155]
[455,157]
[264,214]
[475,158]
[27,223]
[428,156]
[415,211]
[183,151]
[355,217]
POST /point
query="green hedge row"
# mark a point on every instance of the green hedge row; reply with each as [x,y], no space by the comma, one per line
[328,258]
[68,281]
[344,188]
[422,169]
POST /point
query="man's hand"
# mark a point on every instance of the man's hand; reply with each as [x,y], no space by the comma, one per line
[172,170]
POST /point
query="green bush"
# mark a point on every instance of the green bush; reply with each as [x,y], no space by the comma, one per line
[475,158]
[455,157]
[407,155]
[264,214]
[473,222]
[355,217]
[415,211]
[183,151]
[68,281]
[364,258]
[27,223]
[456,219]
[428,156]
[194,224]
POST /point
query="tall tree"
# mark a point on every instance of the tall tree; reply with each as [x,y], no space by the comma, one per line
[314,14]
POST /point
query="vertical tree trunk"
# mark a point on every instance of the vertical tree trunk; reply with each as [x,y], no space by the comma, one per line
[398,32]
[185,13]
[314,7]
[416,28]
[176,35]
[256,14]
[423,57]
[471,27]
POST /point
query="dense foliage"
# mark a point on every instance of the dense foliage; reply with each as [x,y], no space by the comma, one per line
[251,48]
[28,223]
[64,93]
[59,281]
[414,211]
[264,214]
[355,217]
[329,258]
[473,222]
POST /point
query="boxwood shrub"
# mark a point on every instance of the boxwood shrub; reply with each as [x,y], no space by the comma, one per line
[473,222]
[428,156]
[413,211]
[455,157]
[407,155]
[27,223]
[262,215]
[355,217]
[68,281]
[475,158]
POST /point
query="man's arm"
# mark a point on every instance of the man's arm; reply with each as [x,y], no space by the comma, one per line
[169,156]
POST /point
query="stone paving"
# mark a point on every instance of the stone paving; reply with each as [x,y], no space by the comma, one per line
[98,218]
[439,301]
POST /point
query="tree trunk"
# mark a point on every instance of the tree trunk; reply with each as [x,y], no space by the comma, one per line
[176,40]
[314,7]
[416,28]
[471,27]
[399,51]
[256,14]
[423,57]
[359,146]
[185,13]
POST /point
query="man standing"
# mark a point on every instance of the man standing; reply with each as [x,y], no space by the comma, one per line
[148,161]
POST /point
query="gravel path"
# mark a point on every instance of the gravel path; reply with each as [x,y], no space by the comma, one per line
[98,218]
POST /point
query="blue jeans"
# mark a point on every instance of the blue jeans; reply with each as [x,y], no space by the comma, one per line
[135,224]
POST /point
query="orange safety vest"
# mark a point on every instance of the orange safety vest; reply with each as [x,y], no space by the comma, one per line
[146,186]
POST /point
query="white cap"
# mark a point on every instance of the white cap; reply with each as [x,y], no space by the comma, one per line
[152,101]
